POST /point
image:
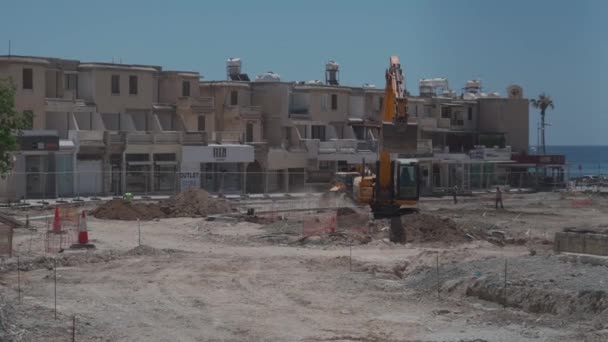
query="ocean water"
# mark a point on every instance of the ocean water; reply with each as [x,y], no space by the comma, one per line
[583,160]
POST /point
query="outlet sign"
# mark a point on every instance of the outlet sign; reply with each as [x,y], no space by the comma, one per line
[194,155]
[188,180]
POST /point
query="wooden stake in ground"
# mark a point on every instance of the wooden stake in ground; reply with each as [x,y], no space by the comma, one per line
[74,328]
[350,260]
[504,303]
[18,280]
[438,295]
[55,268]
[138,232]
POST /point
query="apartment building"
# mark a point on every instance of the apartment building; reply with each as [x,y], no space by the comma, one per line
[98,128]
[106,128]
[467,139]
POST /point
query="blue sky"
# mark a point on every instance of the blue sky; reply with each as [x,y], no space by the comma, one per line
[559,47]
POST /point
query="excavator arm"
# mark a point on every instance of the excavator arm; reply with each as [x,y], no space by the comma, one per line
[396,182]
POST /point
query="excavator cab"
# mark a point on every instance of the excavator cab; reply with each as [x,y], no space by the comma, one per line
[405,181]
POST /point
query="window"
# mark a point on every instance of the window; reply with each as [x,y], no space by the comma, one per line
[288,133]
[318,132]
[28,79]
[249,132]
[334,102]
[185,88]
[71,81]
[132,85]
[470,113]
[115,84]
[446,112]
[201,123]
[325,165]
[234,98]
[380,103]
[408,185]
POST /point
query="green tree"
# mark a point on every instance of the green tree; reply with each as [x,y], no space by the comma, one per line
[11,124]
[542,102]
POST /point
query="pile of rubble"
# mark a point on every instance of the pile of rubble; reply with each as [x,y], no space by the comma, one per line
[431,228]
[190,203]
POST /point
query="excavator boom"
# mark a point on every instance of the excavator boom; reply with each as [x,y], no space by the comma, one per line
[396,184]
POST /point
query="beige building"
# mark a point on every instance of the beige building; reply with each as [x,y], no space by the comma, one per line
[106,129]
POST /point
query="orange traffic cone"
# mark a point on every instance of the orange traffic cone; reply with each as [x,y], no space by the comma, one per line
[83,234]
[56,221]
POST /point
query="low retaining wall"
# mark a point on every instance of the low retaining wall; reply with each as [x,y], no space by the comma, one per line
[584,243]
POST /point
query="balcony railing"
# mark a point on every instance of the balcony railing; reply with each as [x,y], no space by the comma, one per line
[152,138]
[299,113]
[67,105]
[424,146]
[250,112]
[227,137]
[349,146]
[197,104]
[89,138]
[443,123]
[194,137]
[245,112]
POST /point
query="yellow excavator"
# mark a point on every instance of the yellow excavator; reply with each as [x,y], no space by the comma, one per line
[394,190]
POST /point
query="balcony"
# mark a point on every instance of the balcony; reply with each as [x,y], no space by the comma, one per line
[87,138]
[424,146]
[194,138]
[350,150]
[226,137]
[159,138]
[68,105]
[299,113]
[444,123]
[197,104]
[244,112]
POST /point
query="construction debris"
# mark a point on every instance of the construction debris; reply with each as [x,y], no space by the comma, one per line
[190,203]
[431,228]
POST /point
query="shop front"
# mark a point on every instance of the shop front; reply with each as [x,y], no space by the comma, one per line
[218,168]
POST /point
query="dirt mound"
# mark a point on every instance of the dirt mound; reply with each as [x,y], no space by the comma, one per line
[195,203]
[118,209]
[430,228]
[190,203]
[143,250]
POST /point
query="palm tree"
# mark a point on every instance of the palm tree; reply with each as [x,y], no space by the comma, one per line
[542,102]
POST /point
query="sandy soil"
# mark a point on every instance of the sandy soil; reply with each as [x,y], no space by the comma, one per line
[218,281]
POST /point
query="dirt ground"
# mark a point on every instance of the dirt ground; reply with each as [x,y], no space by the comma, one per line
[192,279]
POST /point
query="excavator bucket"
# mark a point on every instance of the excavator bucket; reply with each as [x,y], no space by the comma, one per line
[399,139]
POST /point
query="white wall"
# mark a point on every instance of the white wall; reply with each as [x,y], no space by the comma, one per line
[356,106]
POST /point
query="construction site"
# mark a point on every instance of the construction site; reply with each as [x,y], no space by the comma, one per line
[393,227]
[307,267]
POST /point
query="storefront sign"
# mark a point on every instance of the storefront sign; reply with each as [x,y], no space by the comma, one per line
[194,155]
[220,153]
[188,180]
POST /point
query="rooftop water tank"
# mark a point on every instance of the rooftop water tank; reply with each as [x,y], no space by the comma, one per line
[233,65]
